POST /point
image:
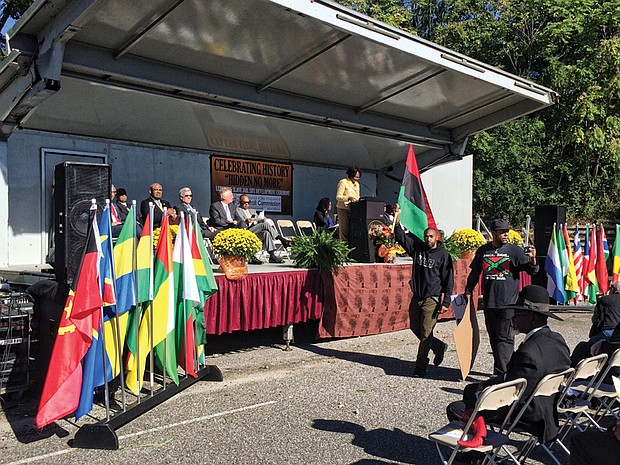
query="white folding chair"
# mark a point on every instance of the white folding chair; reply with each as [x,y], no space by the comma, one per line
[551,385]
[305,227]
[575,399]
[605,393]
[492,398]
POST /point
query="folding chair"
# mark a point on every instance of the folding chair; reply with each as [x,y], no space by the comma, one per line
[492,398]
[551,385]
[305,227]
[571,408]
[286,229]
[263,254]
[605,393]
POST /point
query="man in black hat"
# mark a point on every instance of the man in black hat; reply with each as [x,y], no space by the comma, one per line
[500,264]
[541,353]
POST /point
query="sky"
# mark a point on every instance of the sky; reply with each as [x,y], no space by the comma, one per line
[7,26]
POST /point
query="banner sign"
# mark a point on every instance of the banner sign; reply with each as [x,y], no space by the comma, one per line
[269,185]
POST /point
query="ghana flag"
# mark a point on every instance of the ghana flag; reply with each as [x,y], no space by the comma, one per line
[415,211]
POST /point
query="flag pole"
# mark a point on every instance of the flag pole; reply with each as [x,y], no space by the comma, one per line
[150,308]
[100,328]
[190,235]
[137,312]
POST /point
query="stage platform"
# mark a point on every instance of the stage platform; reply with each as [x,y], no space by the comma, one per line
[362,299]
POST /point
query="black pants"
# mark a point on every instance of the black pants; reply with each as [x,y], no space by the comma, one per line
[594,447]
[498,322]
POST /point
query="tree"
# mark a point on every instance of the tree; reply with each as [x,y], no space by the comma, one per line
[11,9]
[567,154]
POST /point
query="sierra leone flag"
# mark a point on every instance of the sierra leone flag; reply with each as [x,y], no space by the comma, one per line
[415,211]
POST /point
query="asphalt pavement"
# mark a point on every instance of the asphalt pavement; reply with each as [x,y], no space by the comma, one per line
[345,401]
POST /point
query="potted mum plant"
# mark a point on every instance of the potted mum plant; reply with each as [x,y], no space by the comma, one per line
[463,243]
[233,247]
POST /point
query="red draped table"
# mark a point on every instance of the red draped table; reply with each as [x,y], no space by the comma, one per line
[374,299]
[264,300]
[358,301]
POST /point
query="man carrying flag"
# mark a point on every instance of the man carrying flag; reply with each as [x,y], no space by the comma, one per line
[500,264]
[61,391]
[415,211]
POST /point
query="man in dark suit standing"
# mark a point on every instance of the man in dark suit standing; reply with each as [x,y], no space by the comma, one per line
[185,206]
[541,353]
[161,206]
[222,213]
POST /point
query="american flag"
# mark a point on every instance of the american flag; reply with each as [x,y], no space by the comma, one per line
[578,259]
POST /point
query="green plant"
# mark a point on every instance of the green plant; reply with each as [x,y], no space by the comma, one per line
[463,240]
[236,241]
[320,250]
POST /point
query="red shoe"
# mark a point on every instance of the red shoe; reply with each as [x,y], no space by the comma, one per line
[479,428]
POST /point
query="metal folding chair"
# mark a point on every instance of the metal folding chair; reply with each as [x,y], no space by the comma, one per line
[551,385]
[575,399]
[605,393]
[305,227]
[492,398]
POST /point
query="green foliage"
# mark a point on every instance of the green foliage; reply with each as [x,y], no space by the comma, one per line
[321,250]
[11,9]
[568,154]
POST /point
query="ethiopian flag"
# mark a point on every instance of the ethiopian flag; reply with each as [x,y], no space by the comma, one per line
[415,211]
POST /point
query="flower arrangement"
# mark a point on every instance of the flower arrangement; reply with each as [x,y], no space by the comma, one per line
[463,242]
[236,241]
[383,238]
[514,237]
[174,229]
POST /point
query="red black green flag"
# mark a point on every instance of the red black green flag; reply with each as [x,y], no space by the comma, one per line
[415,211]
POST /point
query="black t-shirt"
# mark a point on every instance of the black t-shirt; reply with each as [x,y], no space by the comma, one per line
[500,269]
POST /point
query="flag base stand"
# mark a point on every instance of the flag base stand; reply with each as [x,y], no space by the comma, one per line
[102,435]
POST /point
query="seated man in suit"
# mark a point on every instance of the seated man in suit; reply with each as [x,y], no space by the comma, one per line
[605,318]
[185,196]
[221,213]
[542,352]
[161,206]
[246,218]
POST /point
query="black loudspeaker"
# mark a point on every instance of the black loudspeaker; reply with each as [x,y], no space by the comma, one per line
[362,213]
[75,184]
[544,217]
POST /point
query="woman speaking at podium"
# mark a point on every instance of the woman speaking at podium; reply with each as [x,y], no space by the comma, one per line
[348,191]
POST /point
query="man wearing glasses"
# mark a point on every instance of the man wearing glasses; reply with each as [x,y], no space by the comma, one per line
[185,196]
[265,230]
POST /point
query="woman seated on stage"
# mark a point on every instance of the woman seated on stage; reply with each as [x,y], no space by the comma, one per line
[322,218]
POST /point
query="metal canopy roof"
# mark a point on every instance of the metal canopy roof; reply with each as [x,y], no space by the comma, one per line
[305,80]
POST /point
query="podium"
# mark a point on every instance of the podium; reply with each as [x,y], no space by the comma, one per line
[364,211]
